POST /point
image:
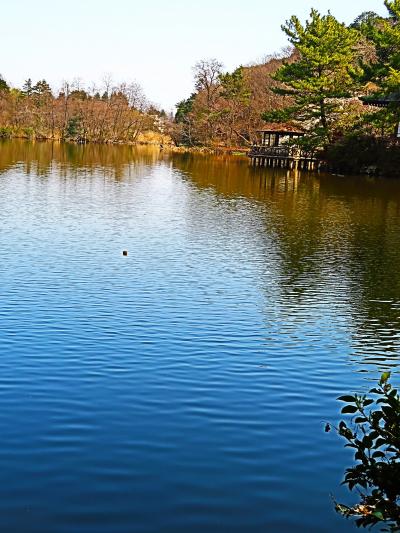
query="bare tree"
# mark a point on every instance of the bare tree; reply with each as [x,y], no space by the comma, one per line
[206,79]
[107,83]
[206,74]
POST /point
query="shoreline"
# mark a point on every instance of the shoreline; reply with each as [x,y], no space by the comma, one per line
[166,146]
[372,171]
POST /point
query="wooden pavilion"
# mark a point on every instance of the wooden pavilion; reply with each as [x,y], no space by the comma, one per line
[276,149]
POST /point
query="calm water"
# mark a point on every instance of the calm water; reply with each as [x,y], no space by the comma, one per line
[184,388]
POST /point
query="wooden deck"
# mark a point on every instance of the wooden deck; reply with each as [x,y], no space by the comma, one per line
[283,157]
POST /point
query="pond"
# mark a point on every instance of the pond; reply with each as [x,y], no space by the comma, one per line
[184,387]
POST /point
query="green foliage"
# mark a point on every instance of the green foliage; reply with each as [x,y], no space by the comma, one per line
[366,22]
[234,87]
[382,122]
[360,153]
[182,131]
[390,38]
[3,85]
[29,132]
[40,92]
[374,435]
[27,88]
[325,72]
[310,144]
[384,33]
[79,94]
[73,128]
[5,132]
[42,88]
[183,109]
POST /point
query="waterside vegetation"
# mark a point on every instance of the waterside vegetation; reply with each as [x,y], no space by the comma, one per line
[374,435]
[114,113]
[338,84]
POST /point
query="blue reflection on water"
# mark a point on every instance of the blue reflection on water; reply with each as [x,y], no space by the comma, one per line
[184,387]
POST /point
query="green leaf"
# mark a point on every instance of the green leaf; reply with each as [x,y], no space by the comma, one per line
[367,441]
[361,420]
[378,454]
[384,378]
[388,412]
[347,399]
[378,515]
[376,416]
[349,409]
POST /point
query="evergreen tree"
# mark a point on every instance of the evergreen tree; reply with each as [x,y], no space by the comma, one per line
[42,88]
[73,129]
[382,73]
[236,94]
[234,86]
[324,73]
[79,94]
[184,120]
[27,88]
[4,87]
[385,33]
[183,109]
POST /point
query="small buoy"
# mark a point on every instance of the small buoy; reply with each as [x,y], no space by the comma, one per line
[125,252]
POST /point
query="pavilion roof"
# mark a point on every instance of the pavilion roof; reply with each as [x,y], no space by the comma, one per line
[284,128]
[383,100]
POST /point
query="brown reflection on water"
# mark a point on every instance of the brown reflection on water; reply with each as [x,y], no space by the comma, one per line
[41,158]
[337,238]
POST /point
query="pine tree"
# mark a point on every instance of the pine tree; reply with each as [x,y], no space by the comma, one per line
[382,74]
[42,88]
[324,73]
[385,34]
[4,87]
[234,87]
[27,88]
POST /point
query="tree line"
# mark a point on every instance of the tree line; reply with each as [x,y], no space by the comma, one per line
[116,113]
[226,108]
[323,85]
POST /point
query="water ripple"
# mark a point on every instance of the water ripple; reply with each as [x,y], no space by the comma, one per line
[184,387]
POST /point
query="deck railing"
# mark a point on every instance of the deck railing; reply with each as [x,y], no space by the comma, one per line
[272,151]
[293,152]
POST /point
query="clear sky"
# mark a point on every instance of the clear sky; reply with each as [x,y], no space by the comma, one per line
[155,42]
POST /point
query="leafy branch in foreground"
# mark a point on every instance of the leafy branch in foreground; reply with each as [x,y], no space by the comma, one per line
[374,434]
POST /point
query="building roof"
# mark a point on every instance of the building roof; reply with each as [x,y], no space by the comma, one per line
[284,128]
[383,100]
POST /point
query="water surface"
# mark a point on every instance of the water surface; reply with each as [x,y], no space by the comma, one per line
[184,387]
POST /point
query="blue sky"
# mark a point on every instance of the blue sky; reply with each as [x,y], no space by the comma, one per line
[154,42]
